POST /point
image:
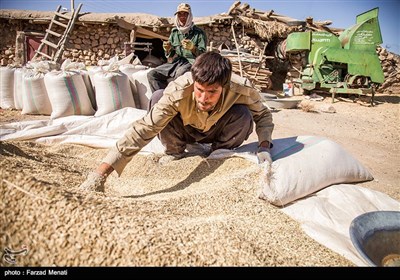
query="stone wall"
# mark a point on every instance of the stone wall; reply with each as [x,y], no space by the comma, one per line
[8,35]
[90,43]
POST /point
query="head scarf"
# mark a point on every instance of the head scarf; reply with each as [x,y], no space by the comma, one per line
[189,23]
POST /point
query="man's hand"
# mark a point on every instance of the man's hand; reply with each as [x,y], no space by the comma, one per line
[94,182]
[264,155]
[167,46]
[187,44]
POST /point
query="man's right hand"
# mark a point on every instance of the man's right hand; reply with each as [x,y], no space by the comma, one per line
[264,155]
[167,46]
[94,182]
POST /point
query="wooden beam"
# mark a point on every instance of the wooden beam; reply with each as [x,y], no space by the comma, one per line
[237,49]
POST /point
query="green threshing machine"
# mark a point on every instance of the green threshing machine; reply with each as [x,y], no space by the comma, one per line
[346,64]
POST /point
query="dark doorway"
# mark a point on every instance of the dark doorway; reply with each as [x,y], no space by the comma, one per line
[156,49]
[32,44]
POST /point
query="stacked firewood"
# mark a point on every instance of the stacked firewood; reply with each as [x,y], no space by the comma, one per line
[259,76]
[253,68]
[238,9]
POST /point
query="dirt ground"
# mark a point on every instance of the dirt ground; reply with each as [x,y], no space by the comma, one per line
[191,212]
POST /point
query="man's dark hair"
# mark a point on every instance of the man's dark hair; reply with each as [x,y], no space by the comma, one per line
[210,68]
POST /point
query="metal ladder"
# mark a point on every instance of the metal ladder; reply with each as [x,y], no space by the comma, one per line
[55,40]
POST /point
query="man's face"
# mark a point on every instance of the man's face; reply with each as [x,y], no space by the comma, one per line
[182,16]
[207,96]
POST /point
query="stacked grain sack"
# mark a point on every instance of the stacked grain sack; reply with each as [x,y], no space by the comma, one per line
[35,100]
[92,70]
[18,84]
[7,87]
[21,85]
[137,75]
[81,69]
[45,89]
[67,91]
[139,95]
[112,89]
[40,88]
[142,87]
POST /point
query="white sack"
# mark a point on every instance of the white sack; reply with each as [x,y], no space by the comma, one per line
[301,166]
[7,87]
[79,67]
[68,94]
[91,72]
[18,87]
[113,92]
[129,69]
[34,98]
[89,87]
[306,165]
[142,87]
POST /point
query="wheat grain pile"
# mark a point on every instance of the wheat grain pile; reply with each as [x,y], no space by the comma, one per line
[191,212]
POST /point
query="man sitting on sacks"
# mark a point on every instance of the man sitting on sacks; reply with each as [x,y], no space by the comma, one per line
[205,105]
[186,41]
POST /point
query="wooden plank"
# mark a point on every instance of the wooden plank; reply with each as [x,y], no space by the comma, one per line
[233,7]
[53,33]
[141,30]
[62,16]
[237,49]
[43,54]
[54,46]
[59,23]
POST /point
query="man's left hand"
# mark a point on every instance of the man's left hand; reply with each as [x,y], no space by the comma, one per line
[187,44]
[264,155]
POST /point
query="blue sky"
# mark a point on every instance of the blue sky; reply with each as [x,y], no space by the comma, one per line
[342,12]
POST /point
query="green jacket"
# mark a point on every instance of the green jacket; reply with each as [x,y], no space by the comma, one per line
[196,35]
[178,98]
